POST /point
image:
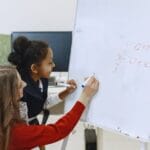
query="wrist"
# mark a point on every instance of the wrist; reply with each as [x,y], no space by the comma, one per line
[84,99]
[63,94]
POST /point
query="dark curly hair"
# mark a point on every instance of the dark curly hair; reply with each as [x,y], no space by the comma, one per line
[26,52]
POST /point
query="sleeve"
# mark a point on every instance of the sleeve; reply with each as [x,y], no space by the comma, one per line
[31,136]
[23,109]
[52,100]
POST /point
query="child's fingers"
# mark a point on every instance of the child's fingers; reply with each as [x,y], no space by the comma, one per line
[91,80]
[96,85]
[72,83]
[86,78]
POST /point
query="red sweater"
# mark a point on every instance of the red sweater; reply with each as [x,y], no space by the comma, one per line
[25,137]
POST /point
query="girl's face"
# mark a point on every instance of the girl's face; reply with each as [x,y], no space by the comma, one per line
[21,86]
[47,65]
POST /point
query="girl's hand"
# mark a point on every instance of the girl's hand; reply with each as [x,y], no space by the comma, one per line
[72,87]
[68,90]
[89,90]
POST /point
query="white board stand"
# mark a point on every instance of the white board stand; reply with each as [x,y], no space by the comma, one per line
[64,143]
[143,146]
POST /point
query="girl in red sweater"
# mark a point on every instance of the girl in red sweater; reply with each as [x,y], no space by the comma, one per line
[15,134]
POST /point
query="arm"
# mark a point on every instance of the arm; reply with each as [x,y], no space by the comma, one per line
[52,100]
[69,90]
[64,94]
[27,137]
[32,136]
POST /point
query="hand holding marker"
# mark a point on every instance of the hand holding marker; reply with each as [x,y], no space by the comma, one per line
[68,85]
[90,87]
[86,81]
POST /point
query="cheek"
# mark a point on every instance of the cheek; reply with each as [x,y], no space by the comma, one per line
[21,93]
[47,70]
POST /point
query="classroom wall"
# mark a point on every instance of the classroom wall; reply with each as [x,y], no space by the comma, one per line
[4,48]
[36,15]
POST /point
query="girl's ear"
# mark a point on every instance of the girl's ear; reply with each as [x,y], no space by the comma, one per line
[34,68]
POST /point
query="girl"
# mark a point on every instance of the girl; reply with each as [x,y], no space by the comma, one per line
[34,61]
[15,134]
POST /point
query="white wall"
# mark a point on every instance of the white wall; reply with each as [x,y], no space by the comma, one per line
[36,15]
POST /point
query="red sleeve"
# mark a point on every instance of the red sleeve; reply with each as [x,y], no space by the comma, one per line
[26,137]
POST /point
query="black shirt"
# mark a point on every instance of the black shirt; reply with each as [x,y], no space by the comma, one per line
[32,94]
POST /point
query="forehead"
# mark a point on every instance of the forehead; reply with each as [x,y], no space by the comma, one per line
[50,52]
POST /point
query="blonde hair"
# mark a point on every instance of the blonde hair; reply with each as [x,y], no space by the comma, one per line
[9,105]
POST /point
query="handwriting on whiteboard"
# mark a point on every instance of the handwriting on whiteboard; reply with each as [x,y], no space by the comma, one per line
[131,55]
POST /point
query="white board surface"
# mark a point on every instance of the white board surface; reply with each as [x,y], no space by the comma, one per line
[112,39]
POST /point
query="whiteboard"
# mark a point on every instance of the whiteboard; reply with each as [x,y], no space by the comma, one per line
[112,39]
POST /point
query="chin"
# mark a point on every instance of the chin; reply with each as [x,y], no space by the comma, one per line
[47,75]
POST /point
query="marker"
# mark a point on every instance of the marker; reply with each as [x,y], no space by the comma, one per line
[85,82]
[64,84]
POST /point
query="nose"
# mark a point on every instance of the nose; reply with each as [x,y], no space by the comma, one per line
[53,64]
[24,84]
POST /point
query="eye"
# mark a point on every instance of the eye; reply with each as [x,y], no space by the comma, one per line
[50,63]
